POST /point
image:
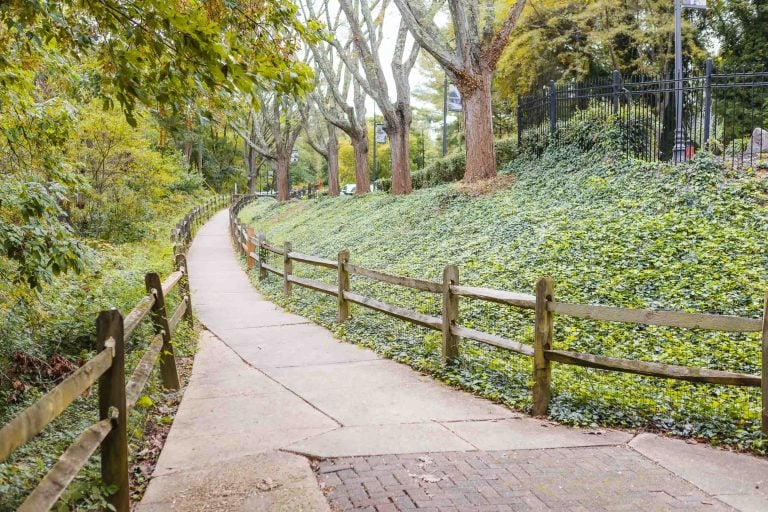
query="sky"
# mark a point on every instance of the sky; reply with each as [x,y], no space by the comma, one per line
[391,24]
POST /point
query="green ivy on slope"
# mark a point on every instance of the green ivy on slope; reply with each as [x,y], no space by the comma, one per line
[609,231]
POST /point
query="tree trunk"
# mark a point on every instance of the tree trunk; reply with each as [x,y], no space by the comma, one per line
[200,155]
[283,186]
[400,155]
[478,122]
[252,180]
[188,152]
[249,155]
[333,162]
[362,179]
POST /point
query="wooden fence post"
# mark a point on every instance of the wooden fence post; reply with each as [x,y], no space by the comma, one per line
[764,381]
[287,269]
[450,313]
[114,447]
[542,371]
[343,259]
[169,376]
[181,263]
[249,244]
[262,257]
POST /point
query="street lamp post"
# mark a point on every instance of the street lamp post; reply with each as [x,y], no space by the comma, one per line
[678,152]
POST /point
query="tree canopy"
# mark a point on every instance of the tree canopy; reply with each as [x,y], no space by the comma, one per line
[171,60]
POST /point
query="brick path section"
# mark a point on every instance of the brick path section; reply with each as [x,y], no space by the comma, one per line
[590,479]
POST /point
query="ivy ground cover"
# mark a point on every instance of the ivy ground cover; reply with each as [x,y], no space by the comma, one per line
[608,231]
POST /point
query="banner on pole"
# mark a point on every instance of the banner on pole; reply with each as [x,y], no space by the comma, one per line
[454,99]
[695,4]
[381,135]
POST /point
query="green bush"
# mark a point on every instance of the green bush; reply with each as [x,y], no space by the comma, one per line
[451,168]
[592,130]
[609,231]
[56,324]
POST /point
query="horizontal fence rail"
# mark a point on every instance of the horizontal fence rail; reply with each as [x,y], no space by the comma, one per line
[256,248]
[106,371]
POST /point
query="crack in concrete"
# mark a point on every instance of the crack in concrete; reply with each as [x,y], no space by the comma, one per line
[250,365]
[324,364]
[457,435]
[264,326]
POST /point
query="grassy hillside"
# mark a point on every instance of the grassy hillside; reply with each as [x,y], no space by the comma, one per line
[609,232]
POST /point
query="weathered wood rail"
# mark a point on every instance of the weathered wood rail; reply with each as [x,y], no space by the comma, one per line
[106,370]
[186,228]
[542,302]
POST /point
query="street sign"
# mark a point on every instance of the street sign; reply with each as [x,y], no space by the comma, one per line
[695,4]
[454,99]
[381,135]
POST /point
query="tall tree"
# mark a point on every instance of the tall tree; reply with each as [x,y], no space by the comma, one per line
[127,54]
[742,28]
[253,160]
[583,39]
[273,133]
[325,140]
[334,86]
[366,25]
[470,62]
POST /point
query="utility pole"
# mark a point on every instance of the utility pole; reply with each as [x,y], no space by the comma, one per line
[375,142]
[445,114]
[422,148]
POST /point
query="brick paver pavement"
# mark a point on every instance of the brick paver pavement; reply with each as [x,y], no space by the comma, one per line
[566,479]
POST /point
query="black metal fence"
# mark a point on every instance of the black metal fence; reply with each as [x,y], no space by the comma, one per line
[724,112]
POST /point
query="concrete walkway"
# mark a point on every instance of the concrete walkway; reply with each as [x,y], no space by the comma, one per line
[271,391]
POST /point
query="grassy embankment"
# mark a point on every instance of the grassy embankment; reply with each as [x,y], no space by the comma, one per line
[609,232]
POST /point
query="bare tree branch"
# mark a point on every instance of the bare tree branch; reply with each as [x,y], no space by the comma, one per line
[492,52]
[422,26]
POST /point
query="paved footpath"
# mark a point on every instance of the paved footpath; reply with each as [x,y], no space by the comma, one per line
[272,392]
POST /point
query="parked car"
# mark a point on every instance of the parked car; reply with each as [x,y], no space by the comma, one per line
[350,188]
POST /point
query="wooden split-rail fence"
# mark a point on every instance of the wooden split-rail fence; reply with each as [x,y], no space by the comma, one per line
[106,370]
[184,232]
[255,248]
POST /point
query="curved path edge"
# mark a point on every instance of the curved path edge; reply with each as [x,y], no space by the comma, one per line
[271,392]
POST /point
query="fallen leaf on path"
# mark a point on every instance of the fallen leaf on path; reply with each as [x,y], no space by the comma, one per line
[427,477]
[267,484]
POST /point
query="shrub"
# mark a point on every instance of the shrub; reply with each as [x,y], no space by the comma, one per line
[451,168]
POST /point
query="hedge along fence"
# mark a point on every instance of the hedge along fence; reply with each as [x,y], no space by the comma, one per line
[107,371]
[542,303]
